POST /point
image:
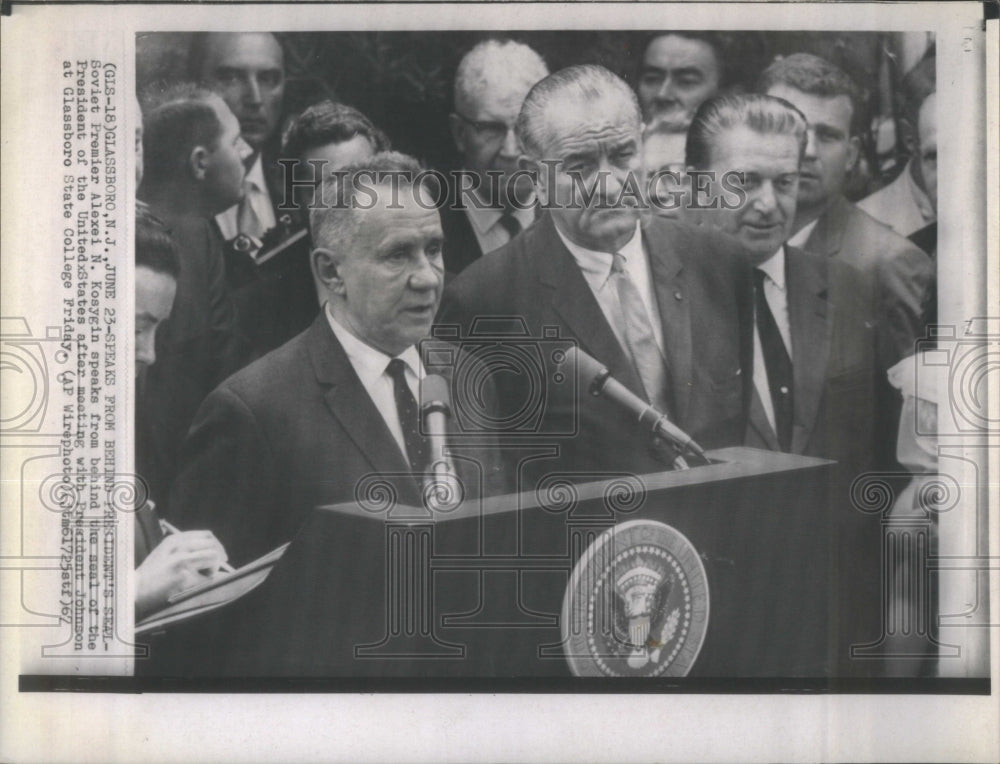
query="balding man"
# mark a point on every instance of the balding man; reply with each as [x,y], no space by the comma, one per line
[247,70]
[909,203]
[491,82]
[656,304]
[307,423]
[663,143]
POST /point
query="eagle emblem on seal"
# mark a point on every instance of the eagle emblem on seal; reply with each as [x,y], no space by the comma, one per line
[636,604]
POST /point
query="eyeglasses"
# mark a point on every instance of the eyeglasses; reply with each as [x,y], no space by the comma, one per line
[492,132]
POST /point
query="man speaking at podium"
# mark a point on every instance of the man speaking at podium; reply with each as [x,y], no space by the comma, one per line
[656,303]
[306,424]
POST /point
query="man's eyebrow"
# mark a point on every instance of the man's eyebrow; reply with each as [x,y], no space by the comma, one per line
[624,143]
[688,70]
[829,129]
[576,156]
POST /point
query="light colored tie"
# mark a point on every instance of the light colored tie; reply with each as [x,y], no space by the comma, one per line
[641,341]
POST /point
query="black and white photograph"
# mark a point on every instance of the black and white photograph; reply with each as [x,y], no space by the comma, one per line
[530,356]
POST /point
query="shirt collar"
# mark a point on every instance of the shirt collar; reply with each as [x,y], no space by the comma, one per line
[920,197]
[368,362]
[484,218]
[595,263]
[774,268]
[255,175]
[800,238]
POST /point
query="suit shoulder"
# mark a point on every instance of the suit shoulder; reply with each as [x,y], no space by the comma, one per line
[694,240]
[262,379]
[877,236]
[492,273]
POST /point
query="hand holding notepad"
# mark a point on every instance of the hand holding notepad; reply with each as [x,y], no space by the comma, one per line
[182,560]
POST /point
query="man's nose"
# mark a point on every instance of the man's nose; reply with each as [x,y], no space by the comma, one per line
[666,91]
[245,149]
[810,144]
[764,200]
[509,147]
[252,92]
[425,276]
[145,349]
[613,179]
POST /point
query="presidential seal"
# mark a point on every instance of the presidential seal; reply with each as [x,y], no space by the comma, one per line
[636,604]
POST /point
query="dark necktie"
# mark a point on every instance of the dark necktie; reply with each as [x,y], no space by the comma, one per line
[639,337]
[510,223]
[778,364]
[417,448]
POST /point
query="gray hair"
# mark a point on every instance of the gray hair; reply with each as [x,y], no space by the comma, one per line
[334,221]
[761,113]
[514,62]
[587,83]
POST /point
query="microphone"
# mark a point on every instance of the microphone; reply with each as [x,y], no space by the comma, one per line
[597,380]
[442,489]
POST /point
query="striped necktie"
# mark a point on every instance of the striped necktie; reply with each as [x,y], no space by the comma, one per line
[638,331]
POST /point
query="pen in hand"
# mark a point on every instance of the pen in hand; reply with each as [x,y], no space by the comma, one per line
[168,528]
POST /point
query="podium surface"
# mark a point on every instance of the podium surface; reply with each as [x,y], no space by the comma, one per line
[375,589]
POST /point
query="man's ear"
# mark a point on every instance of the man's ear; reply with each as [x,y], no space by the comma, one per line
[198,162]
[457,128]
[853,152]
[528,164]
[325,265]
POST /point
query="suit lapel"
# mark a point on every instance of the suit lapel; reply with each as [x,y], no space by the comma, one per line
[349,402]
[575,303]
[667,273]
[828,235]
[810,318]
[757,420]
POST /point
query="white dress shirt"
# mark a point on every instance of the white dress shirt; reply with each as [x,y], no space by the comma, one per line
[486,224]
[370,364]
[255,188]
[596,269]
[776,294]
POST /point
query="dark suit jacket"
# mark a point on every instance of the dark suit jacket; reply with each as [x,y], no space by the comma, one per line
[291,431]
[903,272]
[278,300]
[834,336]
[461,247]
[196,348]
[700,283]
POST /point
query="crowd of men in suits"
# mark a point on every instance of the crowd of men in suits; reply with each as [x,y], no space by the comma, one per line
[288,359]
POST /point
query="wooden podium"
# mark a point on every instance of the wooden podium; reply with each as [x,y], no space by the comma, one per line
[375,589]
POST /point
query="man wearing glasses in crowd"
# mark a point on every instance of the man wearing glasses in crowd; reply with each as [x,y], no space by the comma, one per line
[491,82]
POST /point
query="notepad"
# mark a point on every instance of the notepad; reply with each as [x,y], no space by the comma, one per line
[216,592]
